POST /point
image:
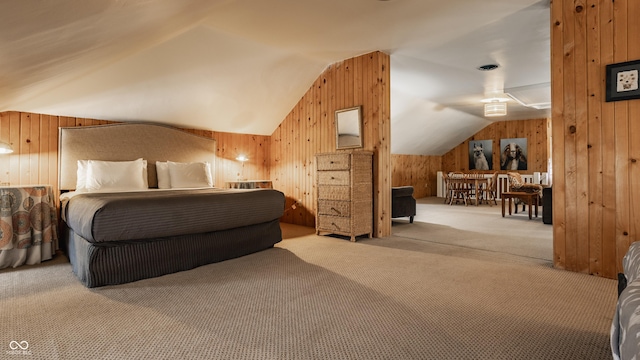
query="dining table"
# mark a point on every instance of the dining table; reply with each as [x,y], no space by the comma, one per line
[478,183]
[466,185]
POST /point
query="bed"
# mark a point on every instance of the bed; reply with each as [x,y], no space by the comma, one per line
[143,211]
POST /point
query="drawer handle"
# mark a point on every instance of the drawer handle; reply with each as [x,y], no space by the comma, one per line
[336,210]
[332,178]
[336,226]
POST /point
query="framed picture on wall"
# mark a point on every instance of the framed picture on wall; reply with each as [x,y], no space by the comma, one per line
[622,81]
[481,155]
[513,154]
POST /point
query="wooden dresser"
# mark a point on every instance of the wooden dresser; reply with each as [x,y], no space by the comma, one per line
[345,189]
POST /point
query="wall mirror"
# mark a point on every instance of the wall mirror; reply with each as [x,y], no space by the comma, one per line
[349,128]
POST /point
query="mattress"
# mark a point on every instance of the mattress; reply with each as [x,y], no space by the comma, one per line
[125,216]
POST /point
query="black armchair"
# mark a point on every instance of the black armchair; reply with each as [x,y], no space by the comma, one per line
[402,202]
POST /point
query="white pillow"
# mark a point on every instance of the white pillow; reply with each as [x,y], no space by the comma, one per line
[117,175]
[81,182]
[162,170]
[190,175]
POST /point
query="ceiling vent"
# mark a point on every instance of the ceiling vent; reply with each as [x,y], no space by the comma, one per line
[488,67]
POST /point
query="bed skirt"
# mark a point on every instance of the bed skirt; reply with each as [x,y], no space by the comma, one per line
[112,263]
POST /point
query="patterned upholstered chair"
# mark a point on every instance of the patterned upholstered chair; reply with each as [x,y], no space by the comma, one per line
[516,184]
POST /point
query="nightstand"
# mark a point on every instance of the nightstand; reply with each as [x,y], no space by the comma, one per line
[28,225]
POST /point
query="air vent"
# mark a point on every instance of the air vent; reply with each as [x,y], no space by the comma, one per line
[488,67]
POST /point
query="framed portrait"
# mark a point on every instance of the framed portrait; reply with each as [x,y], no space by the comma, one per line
[622,81]
[513,154]
[481,155]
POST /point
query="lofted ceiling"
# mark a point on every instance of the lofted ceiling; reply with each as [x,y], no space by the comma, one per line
[241,65]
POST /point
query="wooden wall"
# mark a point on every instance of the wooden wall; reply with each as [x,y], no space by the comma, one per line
[256,148]
[419,171]
[286,157]
[596,144]
[34,138]
[535,131]
[309,129]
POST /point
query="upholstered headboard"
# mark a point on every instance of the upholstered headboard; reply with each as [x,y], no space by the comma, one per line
[129,141]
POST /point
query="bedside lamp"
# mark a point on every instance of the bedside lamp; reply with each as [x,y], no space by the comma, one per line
[242,159]
[5,148]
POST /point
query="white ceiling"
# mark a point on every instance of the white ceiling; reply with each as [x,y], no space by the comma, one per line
[241,65]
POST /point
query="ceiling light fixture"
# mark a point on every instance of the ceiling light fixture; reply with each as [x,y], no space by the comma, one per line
[496,98]
[495,108]
[495,104]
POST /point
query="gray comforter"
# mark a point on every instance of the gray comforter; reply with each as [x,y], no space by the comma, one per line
[625,329]
[104,217]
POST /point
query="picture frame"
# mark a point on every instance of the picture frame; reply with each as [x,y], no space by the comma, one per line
[349,128]
[481,155]
[513,154]
[623,81]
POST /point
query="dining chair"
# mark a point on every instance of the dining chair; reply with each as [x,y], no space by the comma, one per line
[475,183]
[459,189]
[492,189]
[447,188]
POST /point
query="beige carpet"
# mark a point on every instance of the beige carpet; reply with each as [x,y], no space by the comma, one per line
[317,297]
[479,227]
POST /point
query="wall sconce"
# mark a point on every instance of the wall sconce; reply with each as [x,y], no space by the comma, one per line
[5,148]
[242,159]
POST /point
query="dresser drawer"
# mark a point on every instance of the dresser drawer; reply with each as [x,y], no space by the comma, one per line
[334,223]
[334,177]
[334,207]
[334,192]
[334,162]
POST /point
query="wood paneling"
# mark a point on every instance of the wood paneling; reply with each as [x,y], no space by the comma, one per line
[309,129]
[596,197]
[286,157]
[535,131]
[230,145]
[34,138]
[419,171]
